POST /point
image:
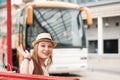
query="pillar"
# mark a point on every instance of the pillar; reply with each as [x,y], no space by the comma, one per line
[100,35]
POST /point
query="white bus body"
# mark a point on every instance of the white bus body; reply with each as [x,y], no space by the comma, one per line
[69,60]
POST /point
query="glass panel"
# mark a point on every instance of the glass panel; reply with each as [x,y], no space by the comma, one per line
[62,24]
[110,46]
[93,46]
[87,1]
[93,1]
[2,1]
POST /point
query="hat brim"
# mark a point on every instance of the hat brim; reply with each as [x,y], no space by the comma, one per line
[35,42]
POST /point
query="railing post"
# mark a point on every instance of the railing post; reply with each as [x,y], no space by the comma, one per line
[9,34]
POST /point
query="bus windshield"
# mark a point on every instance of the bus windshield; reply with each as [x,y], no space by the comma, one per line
[65,25]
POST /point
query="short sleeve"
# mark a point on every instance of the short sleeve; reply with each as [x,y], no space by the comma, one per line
[31,66]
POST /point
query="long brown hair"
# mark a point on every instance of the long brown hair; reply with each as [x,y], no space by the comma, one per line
[36,60]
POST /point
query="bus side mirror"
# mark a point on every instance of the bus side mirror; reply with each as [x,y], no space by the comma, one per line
[29,19]
[88,15]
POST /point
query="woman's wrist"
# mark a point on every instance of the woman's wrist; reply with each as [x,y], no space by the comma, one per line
[27,58]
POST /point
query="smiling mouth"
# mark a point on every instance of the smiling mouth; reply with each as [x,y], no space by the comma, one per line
[45,53]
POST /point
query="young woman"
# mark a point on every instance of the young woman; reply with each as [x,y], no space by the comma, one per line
[39,60]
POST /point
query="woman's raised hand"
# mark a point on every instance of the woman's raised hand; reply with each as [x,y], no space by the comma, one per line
[25,53]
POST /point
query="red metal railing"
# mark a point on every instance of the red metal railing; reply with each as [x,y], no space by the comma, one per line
[9,33]
[17,76]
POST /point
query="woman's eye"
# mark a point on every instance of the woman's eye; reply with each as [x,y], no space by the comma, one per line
[42,45]
[50,47]
[47,46]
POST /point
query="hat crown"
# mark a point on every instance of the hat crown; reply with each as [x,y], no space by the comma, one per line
[43,36]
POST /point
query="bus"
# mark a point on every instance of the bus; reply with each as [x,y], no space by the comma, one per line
[64,21]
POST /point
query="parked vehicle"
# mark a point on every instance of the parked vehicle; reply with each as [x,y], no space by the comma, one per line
[65,23]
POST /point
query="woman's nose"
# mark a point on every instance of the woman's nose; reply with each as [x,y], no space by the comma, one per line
[46,47]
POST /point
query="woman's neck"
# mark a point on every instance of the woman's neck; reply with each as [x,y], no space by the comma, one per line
[42,61]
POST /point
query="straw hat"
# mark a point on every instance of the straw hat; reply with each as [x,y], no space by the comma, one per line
[44,37]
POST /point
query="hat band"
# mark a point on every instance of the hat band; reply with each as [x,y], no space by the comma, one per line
[45,39]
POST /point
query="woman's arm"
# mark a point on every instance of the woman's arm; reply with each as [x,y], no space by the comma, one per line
[24,66]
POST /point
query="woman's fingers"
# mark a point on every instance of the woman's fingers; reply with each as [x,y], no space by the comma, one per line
[24,53]
[20,49]
[27,54]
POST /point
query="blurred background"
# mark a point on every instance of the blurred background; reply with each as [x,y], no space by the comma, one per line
[103,33]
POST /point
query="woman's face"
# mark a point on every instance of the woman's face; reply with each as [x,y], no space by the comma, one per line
[45,49]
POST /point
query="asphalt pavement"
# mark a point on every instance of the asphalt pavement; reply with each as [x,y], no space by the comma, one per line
[102,68]
[110,65]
